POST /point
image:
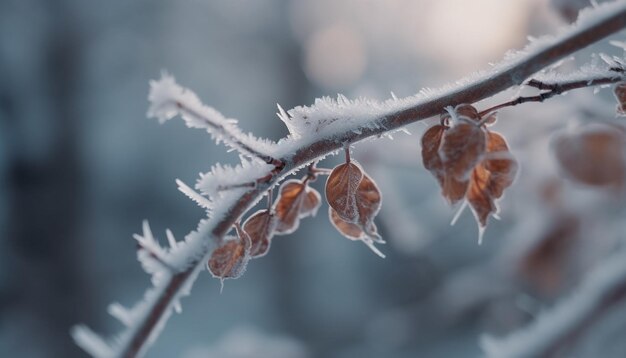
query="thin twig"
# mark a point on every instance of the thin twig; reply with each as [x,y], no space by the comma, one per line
[552,89]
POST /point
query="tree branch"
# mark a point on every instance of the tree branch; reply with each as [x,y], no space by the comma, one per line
[296,153]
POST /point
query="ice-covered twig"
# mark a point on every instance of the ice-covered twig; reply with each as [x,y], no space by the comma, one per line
[556,329]
[555,88]
[169,99]
[332,125]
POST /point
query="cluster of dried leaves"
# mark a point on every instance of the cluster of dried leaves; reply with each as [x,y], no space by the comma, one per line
[296,201]
[468,160]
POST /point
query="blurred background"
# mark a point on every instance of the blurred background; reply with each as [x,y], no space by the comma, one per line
[81,167]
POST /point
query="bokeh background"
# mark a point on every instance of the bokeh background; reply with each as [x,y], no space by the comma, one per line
[81,167]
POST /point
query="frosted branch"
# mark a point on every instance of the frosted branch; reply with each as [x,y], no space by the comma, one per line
[316,132]
[168,99]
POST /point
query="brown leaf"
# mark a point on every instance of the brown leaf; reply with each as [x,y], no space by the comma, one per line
[260,228]
[349,230]
[341,187]
[593,154]
[478,195]
[620,95]
[453,189]
[500,163]
[461,149]
[354,232]
[369,200]
[230,259]
[431,141]
[288,204]
[311,203]
[295,201]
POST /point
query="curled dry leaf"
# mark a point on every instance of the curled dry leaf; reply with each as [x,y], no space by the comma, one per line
[461,149]
[489,178]
[354,232]
[260,228]
[620,95]
[594,154]
[311,203]
[369,201]
[341,187]
[296,200]
[230,259]
[478,195]
[500,164]
[431,141]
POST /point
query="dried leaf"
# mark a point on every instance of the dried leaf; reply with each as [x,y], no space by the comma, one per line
[369,200]
[461,149]
[341,187]
[354,232]
[295,201]
[260,228]
[620,95]
[593,155]
[453,189]
[478,195]
[431,141]
[230,259]
[311,203]
[500,163]
[349,230]
[288,204]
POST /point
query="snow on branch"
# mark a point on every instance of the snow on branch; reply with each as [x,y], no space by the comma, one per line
[555,329]
[168,99]
[316,131]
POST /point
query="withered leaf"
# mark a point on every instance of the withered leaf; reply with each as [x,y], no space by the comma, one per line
[288,204]
[620,95]
[296,200]
[354,232]
[230,259]
[478,195]
[431,140]
[594,154]
[260,228]
[341,187]
[453,189]
[500,164]
[369,201]
[461,149]
[311,203]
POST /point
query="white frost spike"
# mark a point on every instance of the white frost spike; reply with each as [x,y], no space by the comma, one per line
[370,243]
[194,195]
[91,342]
[220,177]
[171,239]
[121,313]
[620,44]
